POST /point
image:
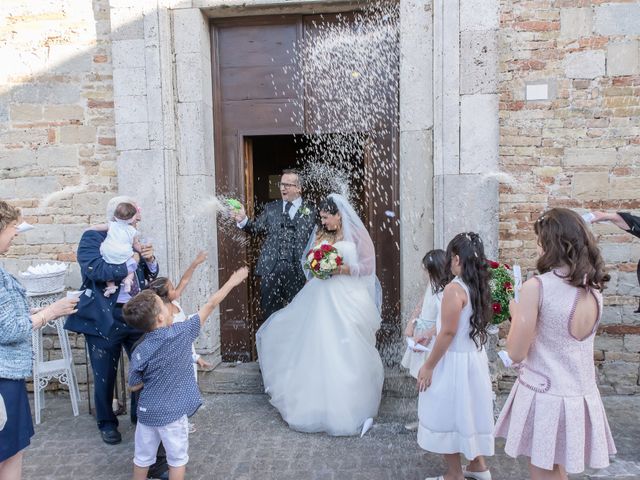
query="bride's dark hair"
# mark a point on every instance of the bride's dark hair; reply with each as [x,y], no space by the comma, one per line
[327,206]
[475,275]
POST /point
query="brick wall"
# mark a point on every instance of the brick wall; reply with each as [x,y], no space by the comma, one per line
[580,149]
[57,145]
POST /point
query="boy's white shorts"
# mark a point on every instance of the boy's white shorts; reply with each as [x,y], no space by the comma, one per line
[174,436]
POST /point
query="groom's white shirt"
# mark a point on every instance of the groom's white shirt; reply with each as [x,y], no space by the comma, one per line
[292,212]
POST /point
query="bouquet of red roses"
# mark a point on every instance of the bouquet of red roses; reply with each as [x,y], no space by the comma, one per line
[501,290]
[323,260]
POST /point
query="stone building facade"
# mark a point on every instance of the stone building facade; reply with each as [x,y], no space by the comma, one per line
[506,108]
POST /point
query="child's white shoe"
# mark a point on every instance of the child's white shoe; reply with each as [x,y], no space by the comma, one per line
[486,475]
[439,477]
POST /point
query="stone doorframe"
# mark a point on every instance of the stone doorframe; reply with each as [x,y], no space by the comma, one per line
[163,100]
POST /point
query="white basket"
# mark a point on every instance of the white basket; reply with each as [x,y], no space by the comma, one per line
[45,283]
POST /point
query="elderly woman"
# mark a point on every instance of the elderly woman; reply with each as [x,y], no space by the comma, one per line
[16,323]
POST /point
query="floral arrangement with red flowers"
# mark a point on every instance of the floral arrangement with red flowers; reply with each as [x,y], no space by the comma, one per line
[323,260]
[501,290]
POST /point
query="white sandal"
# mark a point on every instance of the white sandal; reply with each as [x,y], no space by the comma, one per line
[485,475]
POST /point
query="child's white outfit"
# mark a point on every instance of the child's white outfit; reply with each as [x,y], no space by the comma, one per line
[117,248]
[181,317]
[425,321]
[456,411]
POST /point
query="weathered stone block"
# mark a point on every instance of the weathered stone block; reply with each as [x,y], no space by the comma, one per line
[617,19]
[479,15]
[576,23]
[56,93]
[187,28]
[24,112]
[189,73]
[590,185]
[624,187]
[77,134]
[35,187]
[609,343]
[623,58]
[7,189]
[587,64]
[45,234]
[127,22]
[479,133]
[479,62]
[579,157]
[129,81]
[57,156]
[90,202]
[132,136]
[128,53]
[63,112]
[69,58]
[131,109]
[632,343]
[621,374]
[16,158]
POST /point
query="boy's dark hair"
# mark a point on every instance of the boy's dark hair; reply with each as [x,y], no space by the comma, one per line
[566,240]
[141,311]
[475,275]
[125,211]
[435,263]
[161,288]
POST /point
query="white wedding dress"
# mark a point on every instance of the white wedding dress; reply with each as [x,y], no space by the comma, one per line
[318,356]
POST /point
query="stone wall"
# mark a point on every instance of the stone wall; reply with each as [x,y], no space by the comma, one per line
[580,148]
[57,139]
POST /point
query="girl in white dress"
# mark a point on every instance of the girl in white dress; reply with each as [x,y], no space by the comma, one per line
[318,355]
[455,406]
[422,325]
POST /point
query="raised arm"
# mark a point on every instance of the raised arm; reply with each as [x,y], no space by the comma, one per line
[91,263]
[186,278]
[524,318]
[257,226]
[235,279]
[612,217]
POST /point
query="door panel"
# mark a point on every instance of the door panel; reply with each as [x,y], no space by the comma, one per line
[251,55]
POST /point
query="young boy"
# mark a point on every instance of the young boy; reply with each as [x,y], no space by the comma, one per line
[163,365]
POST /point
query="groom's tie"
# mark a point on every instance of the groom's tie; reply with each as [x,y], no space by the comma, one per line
[287,208]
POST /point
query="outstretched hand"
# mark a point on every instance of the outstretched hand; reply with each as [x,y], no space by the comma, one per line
[238,276]
[239,215]
[200,258]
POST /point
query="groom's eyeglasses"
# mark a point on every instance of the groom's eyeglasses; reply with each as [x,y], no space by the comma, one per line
[287,185]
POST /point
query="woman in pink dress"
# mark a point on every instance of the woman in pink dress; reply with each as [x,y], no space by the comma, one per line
[554,414]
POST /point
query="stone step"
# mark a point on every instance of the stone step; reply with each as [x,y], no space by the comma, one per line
[246,378]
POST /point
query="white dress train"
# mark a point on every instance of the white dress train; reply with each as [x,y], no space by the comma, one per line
[318,357]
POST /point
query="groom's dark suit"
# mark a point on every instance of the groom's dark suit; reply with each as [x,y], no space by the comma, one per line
[279,264]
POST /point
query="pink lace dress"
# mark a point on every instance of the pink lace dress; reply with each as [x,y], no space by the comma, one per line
[554,414]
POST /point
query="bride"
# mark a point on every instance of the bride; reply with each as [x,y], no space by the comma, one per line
[318,356]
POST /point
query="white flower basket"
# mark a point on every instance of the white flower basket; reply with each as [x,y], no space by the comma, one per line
[44,283]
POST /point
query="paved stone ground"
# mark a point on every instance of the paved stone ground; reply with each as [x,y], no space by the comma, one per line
[241,437]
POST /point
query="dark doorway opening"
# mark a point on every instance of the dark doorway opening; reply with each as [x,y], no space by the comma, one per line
[323,168]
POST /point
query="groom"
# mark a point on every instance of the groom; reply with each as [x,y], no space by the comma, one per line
[287,225]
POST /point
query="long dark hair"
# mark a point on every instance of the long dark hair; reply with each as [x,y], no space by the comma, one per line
[566,240]
[475,274]
[327,206]
[160,286]
[435,263]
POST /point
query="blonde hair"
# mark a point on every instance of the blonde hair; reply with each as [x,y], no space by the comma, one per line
[8,214]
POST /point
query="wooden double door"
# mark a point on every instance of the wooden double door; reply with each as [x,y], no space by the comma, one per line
[265,107]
